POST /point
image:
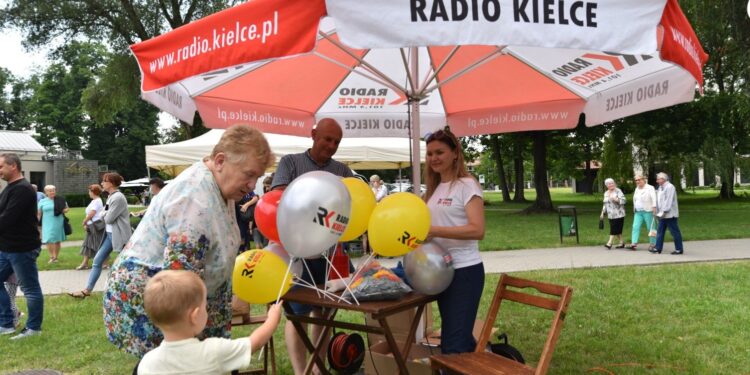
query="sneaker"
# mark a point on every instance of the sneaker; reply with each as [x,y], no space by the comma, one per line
[26,332]
[7,331]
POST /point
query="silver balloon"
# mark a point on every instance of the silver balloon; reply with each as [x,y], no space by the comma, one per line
[429,268]
[277,249]
[313,213]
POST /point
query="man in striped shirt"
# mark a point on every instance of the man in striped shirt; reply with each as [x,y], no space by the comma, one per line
[326,137]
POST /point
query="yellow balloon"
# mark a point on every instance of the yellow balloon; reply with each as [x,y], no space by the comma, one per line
[259,275]
[363,202]
[398,224]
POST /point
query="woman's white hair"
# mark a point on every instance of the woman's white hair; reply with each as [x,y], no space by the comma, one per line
[663,176]
[50,188]
[607,181]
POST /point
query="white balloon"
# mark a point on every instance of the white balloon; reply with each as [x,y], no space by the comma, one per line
[277,249]
[313,213]
[429,268]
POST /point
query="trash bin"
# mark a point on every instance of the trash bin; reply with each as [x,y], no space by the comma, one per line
[568,221]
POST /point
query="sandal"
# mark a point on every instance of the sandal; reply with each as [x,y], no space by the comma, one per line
[82,267]
[620,246]
[80,294]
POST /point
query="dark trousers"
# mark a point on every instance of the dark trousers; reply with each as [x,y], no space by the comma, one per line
[674,230]
[458,309]
[24,266]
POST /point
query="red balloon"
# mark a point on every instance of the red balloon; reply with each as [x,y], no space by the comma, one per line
[265,214]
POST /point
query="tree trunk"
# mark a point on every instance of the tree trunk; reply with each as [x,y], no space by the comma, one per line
[495,144]
[727,186]
[588,179]
[518,194]
[543,201]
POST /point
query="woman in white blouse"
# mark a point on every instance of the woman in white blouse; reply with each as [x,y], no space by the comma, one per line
[644,207]
[614,208]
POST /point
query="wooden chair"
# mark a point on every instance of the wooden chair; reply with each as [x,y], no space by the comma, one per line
[480,361]
[245,318]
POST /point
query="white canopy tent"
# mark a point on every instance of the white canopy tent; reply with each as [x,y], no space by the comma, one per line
[357,153]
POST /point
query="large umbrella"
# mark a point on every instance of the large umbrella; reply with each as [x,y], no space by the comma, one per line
[519,79]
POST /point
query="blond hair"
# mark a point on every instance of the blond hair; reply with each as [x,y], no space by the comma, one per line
[240,141]
[171,294]
[432,178]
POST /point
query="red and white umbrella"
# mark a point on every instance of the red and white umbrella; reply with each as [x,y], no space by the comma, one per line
[488,66]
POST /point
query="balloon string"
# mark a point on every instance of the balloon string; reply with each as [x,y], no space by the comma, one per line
[346,283]
[330,295]
[281,287]
[309,273]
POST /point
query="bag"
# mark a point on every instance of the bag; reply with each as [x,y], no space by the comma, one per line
[66,226]
[506,350]
[652,231]
[601,224]
[99,225]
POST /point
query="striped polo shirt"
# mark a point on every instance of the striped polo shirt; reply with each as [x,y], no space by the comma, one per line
[294,165]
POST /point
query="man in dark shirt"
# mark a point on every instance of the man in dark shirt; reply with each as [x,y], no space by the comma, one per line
[326,137]
[19,247]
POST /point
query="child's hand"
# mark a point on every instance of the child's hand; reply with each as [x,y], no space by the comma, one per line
[274,312]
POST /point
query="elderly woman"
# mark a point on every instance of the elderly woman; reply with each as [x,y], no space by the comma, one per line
[644,207]
[378,188]
[190,225]
[116,229]
[614,208]
[93,226]
[51,214]
[456,206]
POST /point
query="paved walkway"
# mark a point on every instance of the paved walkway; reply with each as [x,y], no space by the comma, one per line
[56,282]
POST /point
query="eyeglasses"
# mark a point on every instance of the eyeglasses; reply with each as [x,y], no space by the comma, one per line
[443,135]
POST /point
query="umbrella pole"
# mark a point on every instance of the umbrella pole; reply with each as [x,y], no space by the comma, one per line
[415,132]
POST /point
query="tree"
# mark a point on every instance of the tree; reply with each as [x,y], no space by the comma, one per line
[723,30]
[519,148]
[55,107]
[14,98]
[543,202]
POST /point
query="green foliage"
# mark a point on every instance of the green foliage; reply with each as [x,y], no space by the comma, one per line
[59,118]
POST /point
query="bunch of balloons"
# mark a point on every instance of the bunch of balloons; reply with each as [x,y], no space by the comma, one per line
[314,212]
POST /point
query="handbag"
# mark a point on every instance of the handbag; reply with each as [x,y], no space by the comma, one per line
[601,224]
[99,225]
[66,226]
[652,231]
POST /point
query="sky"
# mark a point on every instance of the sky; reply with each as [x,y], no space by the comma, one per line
[16,59]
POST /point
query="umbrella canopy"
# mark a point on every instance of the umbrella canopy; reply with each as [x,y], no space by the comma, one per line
[476,89]
[357,153]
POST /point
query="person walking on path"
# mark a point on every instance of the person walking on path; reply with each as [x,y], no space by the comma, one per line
[51,214]
[614,208]
[667,213]
[644,208]
[93,226]
[19,248]
[326,137]
[117,229]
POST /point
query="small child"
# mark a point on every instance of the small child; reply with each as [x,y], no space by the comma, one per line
[175,301]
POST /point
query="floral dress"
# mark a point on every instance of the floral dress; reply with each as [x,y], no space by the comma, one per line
[188,226]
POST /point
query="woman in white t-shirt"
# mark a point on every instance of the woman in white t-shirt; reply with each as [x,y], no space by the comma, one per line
[93,226]
[457,211]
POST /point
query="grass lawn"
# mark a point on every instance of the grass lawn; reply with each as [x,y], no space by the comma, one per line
[702,217]
[688,319]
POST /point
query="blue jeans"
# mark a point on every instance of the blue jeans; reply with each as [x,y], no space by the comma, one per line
[458,307]
[24,266]
[642,218]
[101,255]
[674,230]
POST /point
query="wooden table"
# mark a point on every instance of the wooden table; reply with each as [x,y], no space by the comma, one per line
[379,310]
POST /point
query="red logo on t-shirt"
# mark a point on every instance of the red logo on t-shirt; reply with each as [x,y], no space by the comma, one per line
[445,201]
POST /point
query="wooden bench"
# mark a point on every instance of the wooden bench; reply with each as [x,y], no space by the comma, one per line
[509,288]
